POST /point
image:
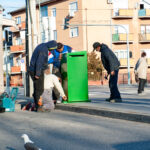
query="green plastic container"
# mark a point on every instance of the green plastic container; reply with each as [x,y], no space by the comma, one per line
[75,76]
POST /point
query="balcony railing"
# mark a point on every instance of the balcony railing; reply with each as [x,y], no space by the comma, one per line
[144,38]
[123,62]
[122,38]
[17,48]
[144,13]
[15,69]
[123,14]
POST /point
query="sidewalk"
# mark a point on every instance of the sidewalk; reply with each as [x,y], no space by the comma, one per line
[133,107]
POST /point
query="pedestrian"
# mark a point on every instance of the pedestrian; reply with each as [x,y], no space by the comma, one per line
[111,64]
[55,58]
[38,64]
[141,72]
[50,81]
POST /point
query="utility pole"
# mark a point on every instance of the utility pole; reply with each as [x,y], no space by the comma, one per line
[6,60]
[32,35]
[32,7]
[40,21]
[1,52]
[26,86]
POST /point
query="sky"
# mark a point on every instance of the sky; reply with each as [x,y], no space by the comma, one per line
[10,5]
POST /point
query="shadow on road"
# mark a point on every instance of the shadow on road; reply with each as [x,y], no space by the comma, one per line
[10,148]
[139,145]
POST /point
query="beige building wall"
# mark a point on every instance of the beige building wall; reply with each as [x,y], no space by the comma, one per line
[62,10]
[98,13]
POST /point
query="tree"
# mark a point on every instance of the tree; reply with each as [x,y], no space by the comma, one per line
[95,67]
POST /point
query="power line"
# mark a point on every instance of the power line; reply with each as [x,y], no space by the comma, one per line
[10,7]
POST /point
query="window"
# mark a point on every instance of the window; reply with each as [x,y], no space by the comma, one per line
[109,1]
[44,11]
[43,37]
[53,12]
[118,29]
[55,34]
[73,7]
[147,51]
[74,32]
[145,29]
[18,41]
[141,6]
[120,4]
[18,20]
[122,54]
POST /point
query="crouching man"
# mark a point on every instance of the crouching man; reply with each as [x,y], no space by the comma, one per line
[50,81]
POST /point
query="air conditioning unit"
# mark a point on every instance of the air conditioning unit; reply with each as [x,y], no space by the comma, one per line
[109,1]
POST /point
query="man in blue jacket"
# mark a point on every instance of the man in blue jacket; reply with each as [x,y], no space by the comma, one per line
[111,64]
[38,64]
[55,58]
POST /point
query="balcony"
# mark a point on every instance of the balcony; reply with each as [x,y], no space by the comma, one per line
[121,38]
[144,13]
[123,62]
[8,22]
[144,38]
[123,14]
[17,49]
[15,70]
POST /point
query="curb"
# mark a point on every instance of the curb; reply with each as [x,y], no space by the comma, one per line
[105,113]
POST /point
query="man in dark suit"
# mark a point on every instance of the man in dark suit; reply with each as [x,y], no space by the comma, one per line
[38,63]
[111,64]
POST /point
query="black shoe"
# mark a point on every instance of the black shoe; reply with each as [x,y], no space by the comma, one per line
[2,110]
[116,100]
[107,99]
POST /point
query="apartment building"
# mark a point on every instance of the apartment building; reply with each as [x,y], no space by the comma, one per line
[134,16]
[7,58]
[90,21]
[17,50]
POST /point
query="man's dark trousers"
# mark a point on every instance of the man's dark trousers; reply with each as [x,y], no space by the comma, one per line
[38,85]
[141,85]
[115,94]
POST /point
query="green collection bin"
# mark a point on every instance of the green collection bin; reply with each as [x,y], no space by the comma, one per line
[75,76]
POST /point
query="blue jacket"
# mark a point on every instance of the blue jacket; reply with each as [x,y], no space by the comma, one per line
[109,59]
[39,60]
[55,56]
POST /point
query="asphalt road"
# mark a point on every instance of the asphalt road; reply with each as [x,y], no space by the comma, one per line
[60,130]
